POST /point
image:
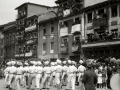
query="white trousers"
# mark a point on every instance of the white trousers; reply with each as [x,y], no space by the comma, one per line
[18,81]
[38,79]
[71,81]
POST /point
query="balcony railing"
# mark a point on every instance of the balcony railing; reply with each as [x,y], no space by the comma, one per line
[103,40]
[63,31]
[99,22]
[75,46]
[76,28]
[64,48]
[32,41]
[30,28]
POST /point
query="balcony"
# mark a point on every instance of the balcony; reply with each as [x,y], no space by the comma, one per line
[30,28]
[63,31]
[75,46]
[102,41]
[31,41]
[99,22]
[20,40]
[64,48]
[76,28]
[29,54]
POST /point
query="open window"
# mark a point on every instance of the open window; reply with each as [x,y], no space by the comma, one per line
[114,11]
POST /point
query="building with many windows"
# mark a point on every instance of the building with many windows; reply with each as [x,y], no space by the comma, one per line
[8,31]
[71,28]
[102,30]
[48,38]
[1,44]
[26,46]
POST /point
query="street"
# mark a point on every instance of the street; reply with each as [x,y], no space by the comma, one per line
[3,87]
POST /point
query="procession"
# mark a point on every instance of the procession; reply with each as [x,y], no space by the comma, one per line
[39,75]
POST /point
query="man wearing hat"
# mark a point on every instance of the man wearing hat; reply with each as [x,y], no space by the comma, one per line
[64,75]
[72,70]
[39,71]
[81,70]
[6,72]
[31,74]
[47,73]
[52,77]
[89,78]
[19,73]
[12,72]
[58,74]
[26,74]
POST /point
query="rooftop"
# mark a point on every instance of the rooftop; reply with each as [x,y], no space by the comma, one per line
[31,4]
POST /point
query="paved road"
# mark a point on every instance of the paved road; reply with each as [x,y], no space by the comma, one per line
[3,84]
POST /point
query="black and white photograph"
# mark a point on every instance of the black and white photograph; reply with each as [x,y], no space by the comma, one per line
[59,44]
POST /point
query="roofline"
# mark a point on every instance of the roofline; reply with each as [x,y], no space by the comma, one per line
[32,4]
[7,23]
[40,22]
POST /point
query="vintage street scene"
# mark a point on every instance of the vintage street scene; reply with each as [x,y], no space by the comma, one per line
[60,45]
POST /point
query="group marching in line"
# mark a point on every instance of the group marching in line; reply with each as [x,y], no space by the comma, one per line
[42,75]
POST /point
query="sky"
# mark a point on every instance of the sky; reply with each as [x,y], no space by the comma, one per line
[8,12]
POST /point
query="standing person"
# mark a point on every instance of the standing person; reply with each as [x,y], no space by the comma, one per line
[26,74]
[47,73]
[6,73]
[81,70]
[31,74]
[64,75]
[58,74]
[12,72]
[99,79]
[72,70]
[104,77]
[89,78]
[39,71]
[19,73]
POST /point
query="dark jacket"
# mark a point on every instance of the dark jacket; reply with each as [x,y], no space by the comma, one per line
[89,80]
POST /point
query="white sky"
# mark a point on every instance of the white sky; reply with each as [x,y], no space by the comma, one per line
[8,12]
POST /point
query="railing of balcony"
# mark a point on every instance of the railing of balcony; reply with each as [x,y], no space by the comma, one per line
[102,38]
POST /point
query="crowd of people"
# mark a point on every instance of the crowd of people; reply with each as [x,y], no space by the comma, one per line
[44,74]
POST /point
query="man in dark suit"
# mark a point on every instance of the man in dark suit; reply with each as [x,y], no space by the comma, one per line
[89,78]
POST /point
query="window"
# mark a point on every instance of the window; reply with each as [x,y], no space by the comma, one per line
[64,40]
[52,46]
[44,32]
[10,39]
[44,46]
[89,16]
[52,30]
[77,39]
[114,11]
[77,20]
[66,23]
[101,11]
[28,48]
[19,50]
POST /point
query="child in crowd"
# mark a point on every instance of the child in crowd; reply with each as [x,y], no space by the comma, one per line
[99,79]
[104,77]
